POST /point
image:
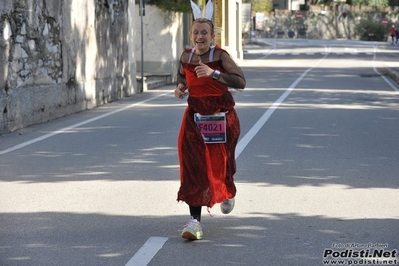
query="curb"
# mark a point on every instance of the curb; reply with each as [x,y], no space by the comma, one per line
[390,73]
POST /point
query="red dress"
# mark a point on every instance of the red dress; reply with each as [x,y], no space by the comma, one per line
[206,170]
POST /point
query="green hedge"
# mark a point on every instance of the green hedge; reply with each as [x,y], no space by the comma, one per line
[370,30]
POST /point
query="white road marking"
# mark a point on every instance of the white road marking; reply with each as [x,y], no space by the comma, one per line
[259,124]
[322,53]
[147,251]
[267,54]
[65,129]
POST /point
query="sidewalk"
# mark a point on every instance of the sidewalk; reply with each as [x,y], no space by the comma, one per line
[390,54]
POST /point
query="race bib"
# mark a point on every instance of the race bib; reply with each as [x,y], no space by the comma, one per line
[212,127]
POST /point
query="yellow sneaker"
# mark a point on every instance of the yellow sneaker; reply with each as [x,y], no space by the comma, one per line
[192,230]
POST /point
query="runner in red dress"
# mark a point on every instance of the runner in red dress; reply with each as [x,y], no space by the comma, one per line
[207,169]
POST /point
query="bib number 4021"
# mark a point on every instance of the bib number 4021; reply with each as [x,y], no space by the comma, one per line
[212,127]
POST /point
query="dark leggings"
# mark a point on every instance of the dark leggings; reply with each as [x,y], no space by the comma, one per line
[195,212]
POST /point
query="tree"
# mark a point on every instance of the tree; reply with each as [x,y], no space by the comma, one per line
[381,3]
[260,5]
[359,2]
[183,6]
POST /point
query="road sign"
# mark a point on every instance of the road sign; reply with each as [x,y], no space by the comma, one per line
[384,21]
[299,15]
[260,20]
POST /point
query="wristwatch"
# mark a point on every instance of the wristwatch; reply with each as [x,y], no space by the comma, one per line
[216,74]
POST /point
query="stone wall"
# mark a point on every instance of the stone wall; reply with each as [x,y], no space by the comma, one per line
[61,57]
[322,22]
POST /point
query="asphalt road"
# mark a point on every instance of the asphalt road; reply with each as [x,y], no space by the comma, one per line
[317,179]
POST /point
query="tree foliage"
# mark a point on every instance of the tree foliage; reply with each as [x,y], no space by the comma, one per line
[183,6]
[359,2]
[380,3]
[377,3]
[260,5]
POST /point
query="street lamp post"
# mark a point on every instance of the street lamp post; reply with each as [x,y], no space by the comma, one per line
[142,45]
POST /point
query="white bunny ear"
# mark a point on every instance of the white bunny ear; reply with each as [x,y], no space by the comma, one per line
[196,10]
[209,10]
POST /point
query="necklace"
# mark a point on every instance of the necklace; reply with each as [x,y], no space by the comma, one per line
[199,55]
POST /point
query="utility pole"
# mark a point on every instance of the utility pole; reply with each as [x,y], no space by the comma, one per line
[142,13]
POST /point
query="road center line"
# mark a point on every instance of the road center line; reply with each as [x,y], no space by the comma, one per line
[259,124]
[147,251]
[65,129]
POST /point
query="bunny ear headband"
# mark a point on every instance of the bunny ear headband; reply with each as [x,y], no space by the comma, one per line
[208,10]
